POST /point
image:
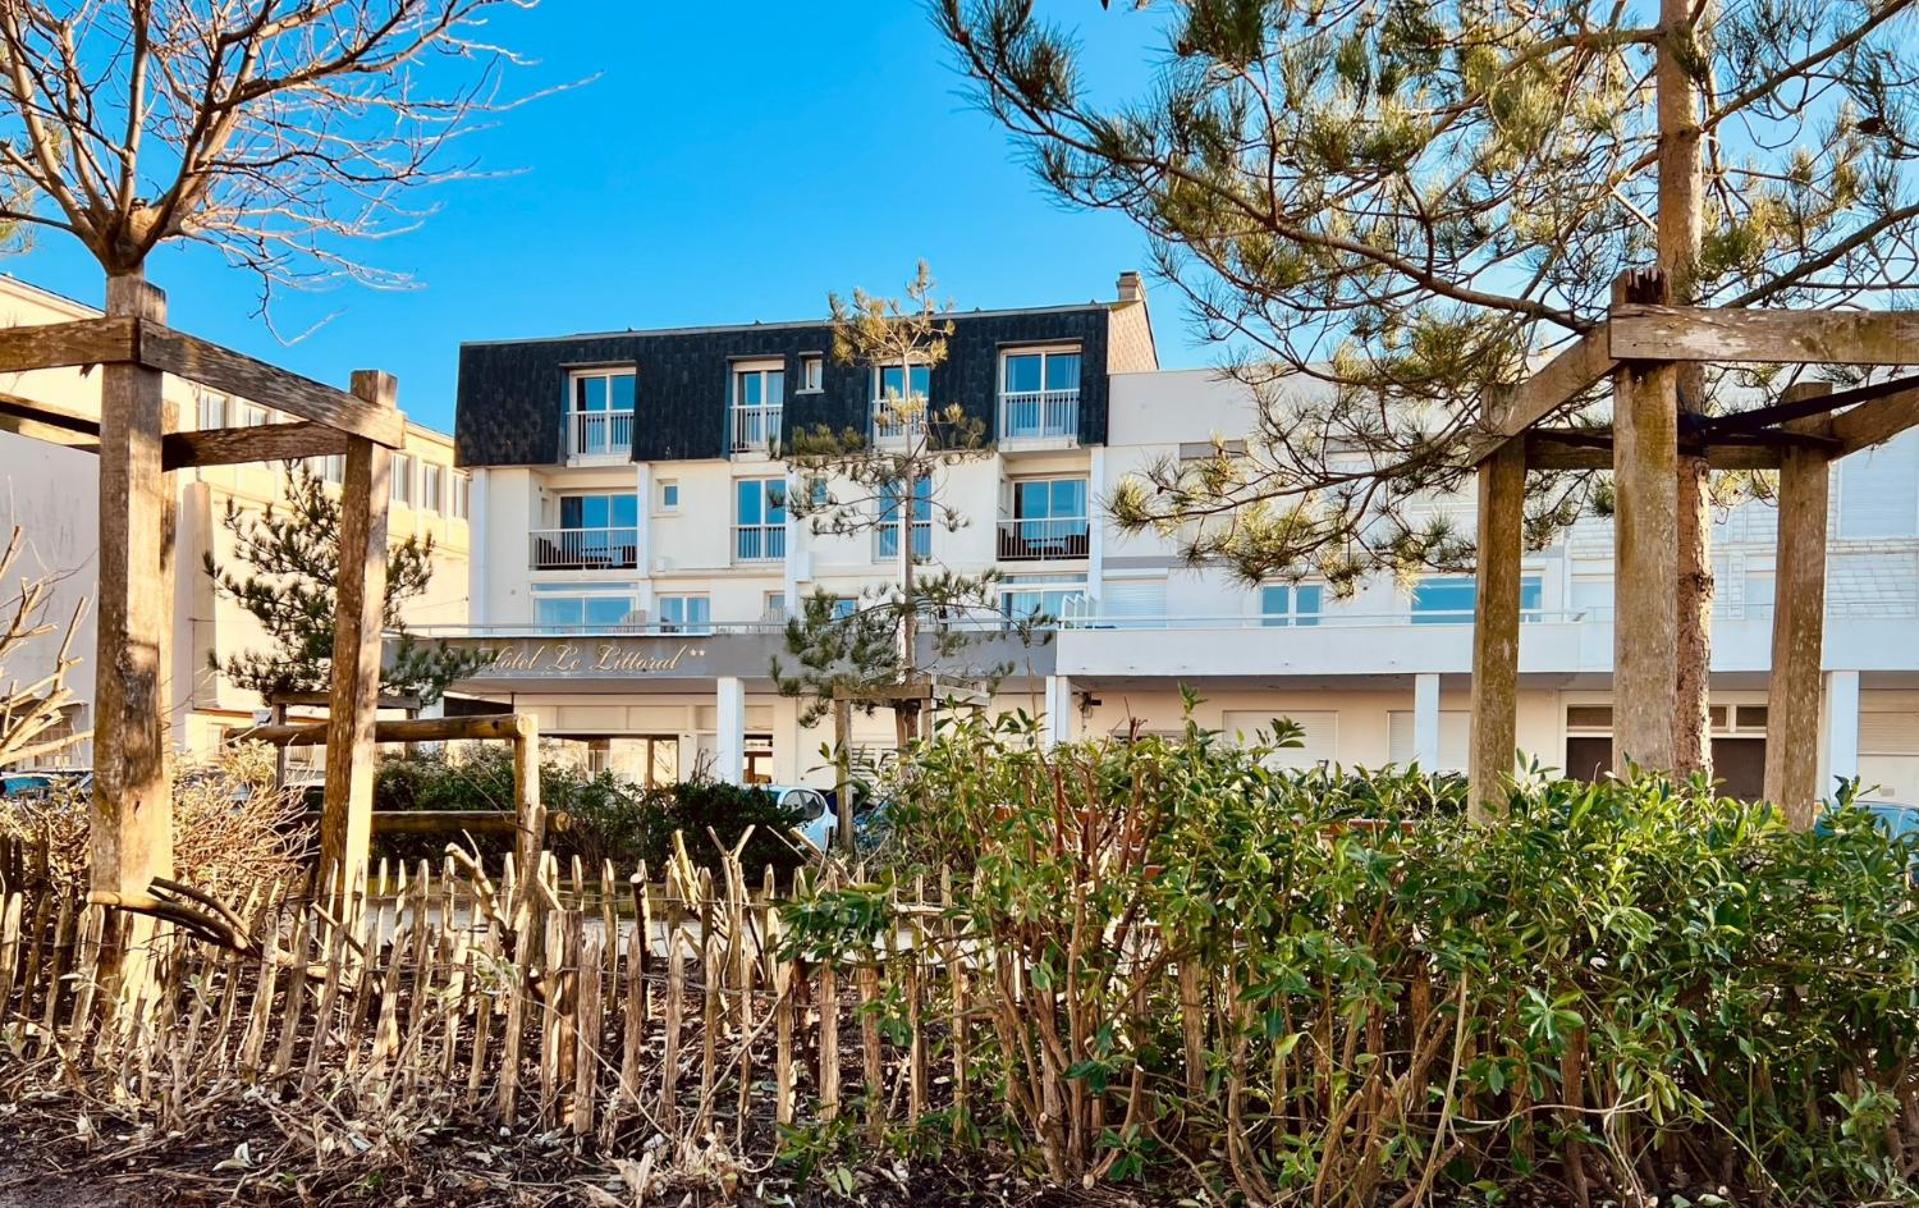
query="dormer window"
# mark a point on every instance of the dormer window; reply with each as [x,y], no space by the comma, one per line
[759,395]
[600,413]
[1039,393]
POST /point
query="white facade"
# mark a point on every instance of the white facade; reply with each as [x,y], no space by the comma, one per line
[1379,677]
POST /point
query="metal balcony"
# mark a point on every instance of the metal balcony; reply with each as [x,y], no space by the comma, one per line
[1054,538]
[599,433]
[1039,415]
[755,429]
[585,549]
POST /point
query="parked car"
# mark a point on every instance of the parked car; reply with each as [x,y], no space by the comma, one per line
[43,783]
[1898,819]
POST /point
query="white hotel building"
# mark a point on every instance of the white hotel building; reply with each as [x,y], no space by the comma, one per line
[631,565]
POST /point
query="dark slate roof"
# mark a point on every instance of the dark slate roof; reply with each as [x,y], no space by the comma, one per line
[512,393]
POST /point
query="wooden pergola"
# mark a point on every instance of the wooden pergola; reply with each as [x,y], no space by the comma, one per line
[134,436]
[1800,437]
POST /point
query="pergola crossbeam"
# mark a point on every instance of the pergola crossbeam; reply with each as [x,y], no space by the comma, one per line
[1647,332]
[149,344]
[1573,372]
[240,446]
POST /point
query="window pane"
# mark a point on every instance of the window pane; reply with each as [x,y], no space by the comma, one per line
[1069,497]
[1022,373]
[1306,604]
[746,389]
[751,493]
[1062,371]
[1448,601]
[591,393]
[625,511]
[775,501]
[775,387]
[1031,500]
[698,610]
[672,610]
[622,397]
[606,610]
[564,610]
[1532,594]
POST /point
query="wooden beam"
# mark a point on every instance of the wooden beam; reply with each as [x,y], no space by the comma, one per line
[1876,421]
[1645,555]
[130,822]
[1798,630]
[1559,381]
[230,372]
[1558,449]
[240,446]
[102,341]
[1802,405]
[486,727]
[441,822]
[24,417]
[346,831]
[1645,332]
[1494,735]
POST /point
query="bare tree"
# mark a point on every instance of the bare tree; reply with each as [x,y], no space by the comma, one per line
[279,131]
[1403,205]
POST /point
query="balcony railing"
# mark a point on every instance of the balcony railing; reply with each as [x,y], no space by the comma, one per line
[600,433]
[1035,540]
[1039,414]
[585,549]
[759,542]
[755,429]
[893,421]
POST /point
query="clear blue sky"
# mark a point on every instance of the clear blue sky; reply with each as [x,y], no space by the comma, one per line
[732,162]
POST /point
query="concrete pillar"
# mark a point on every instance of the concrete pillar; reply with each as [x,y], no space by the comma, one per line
[477,588]
[1842,727]
[1059,710]
[730,697]
[1096,525]
[1426,720]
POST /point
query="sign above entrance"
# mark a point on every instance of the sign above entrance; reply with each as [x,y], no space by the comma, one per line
[574,657]
[601,657]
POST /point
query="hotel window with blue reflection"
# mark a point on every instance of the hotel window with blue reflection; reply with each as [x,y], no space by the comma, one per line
[759,519]
[887,536]
[1453,599]
[583,606]
[1289,604]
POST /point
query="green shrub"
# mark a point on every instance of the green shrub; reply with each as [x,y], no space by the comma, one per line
[1327,985]
[609,818]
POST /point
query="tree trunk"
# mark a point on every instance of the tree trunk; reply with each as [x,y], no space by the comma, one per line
[905,714]
[1680,183]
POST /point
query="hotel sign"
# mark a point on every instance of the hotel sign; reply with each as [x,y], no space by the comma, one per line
[565,658]
[594,657]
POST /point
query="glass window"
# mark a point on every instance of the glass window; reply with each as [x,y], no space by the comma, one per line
[773,607]
[1282,604]
[603,390]
[684,614]
[432,486]
[759,516]
[462,495]
[888,541]
[669,495]
[812,372]
[603,511]
[213,410]
[759,387]
[1050,499]
[1045,369]
[918,382]
[1053,603]
[1452,599]
[402,478]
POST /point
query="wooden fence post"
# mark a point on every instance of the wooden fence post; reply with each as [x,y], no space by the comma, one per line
[346,827]
[1795,684]
[1495,700]
[131,821]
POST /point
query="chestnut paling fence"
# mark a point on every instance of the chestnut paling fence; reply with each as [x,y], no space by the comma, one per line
[628,1008]
[614,1006]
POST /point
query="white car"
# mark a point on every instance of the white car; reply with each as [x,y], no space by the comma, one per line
[817,822]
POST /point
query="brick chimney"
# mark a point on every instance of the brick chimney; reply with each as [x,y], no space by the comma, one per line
[1131,288]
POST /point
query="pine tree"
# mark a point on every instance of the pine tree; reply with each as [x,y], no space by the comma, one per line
[892,483]
[289,555]
[1389,209]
